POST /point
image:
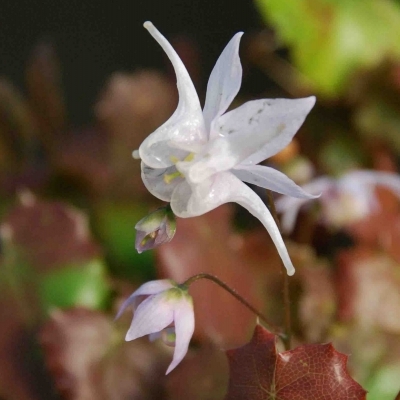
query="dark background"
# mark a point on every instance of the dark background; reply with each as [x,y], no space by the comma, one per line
[95,38]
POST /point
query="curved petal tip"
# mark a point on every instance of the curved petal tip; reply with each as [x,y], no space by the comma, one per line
[148,25]
[312,100]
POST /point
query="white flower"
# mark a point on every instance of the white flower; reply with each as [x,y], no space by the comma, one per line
[344,200]
[198,159]
[167,303]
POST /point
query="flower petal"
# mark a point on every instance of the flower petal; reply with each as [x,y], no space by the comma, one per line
[272,179]
[356,193]
[185,128]
[152,315]
[157,182]
[180,200]
[143,242]
[148,288]
[290,207]
[152,221]
[365,177]
[190,201]
[224,83]
[268,126]
[184,328]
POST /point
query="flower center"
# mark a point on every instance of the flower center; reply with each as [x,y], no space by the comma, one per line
[150,236]
[168,178]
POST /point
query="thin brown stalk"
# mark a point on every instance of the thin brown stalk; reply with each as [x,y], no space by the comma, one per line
[235,294]
[286,291]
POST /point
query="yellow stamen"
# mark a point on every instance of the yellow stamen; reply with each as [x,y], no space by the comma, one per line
[168,178]
[150,236]
[189,157]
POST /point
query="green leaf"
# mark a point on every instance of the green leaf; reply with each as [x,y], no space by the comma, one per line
[115,223]
[384,385]
[379,118]
[331,39]
[73,286]
[340,154]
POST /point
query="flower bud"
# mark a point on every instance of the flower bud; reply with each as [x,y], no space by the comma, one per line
[155,229]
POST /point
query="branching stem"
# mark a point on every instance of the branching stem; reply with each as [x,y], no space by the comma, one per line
[235,294]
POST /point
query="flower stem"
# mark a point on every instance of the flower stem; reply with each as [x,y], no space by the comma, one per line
[235,294]
[286,292]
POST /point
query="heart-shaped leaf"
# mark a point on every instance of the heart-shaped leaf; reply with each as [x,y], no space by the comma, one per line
[314,371]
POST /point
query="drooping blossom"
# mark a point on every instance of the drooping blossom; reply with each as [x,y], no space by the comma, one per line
[198,159]
[167,308]
[155,229]
[344,200]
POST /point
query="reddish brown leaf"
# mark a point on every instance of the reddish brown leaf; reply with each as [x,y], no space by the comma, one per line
[317,297]
[202,375]
[132,106]
[88,362]
[312,287]
[90,170]
[262,262]
[315,371]
[75,342]
[49,234]
[22,375]
[380,230]
[369,289]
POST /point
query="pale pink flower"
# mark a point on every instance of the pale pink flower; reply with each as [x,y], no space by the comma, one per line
[168,304]
[344,200]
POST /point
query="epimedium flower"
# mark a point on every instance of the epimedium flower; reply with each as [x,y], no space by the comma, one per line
[199,159]
[166,304]
[155,229]
[347,199]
